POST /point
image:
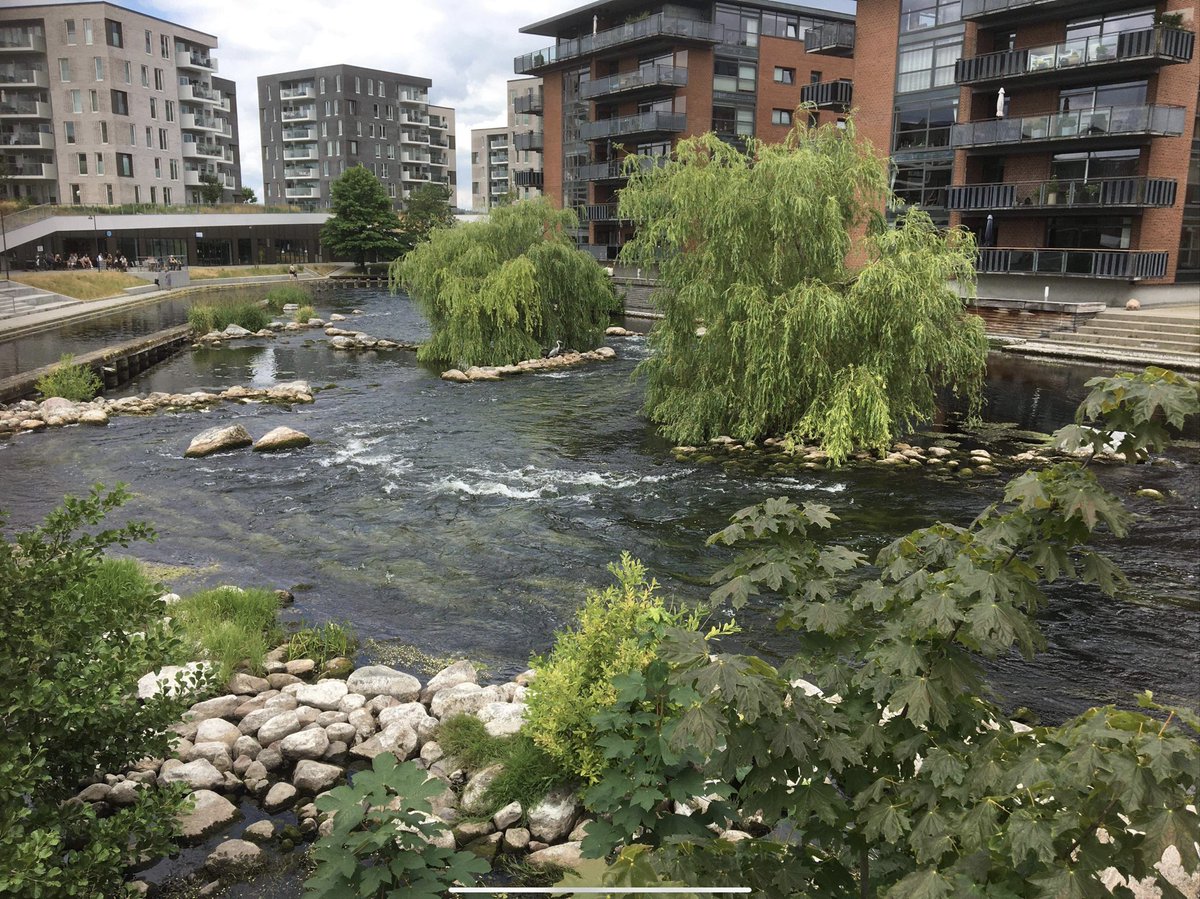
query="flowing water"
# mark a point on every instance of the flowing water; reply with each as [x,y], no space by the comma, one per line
[470,520]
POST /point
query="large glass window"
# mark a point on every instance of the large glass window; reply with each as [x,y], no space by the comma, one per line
[916,15]
[731,120]
[732,76]
[922,184]
[928,64]
[1130,93]
[923,125]
[1090,166]
[1101,233]
[741,25]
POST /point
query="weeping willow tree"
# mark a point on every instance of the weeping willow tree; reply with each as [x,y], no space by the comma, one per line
[505,289]
[820,321]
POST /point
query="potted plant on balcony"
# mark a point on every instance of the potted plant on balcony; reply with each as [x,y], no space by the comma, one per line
[1050,192]
[1091,191]
[1170,20]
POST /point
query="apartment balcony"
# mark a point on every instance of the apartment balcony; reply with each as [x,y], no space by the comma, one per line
[413,97]
[409,137]
[230,182]
[411,175]
[1085,128]
[629,126]
[659,27]
[412,118]
[18,76]
[830,39]
[189,121]
[30,139]
[292,134]
[498,159]
[307,192]
[529,140]
[299,114]
[529,178]
[1040,197]
[999,13]
[1080,61]
[617,169]
[436,140]
[829,94]
[193,149]
[22,108]
[304,152]
[25,170]
[650,78]
[409,156]
[602,212]
[1121,265]
[194,177]
[441,123]
[193,59]
[300,172]
[291,94]
[532,103]
[194,92]
[13,40]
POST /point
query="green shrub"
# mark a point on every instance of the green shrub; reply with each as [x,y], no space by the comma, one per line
[205,317]
[618,632]
[76,635]
[380,844]
[304,313]
[70,381]
[229,626]
[321,644]
[278,297]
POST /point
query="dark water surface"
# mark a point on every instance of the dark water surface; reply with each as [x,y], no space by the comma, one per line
[470,520]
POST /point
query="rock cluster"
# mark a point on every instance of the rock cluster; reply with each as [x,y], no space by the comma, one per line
[497,372]
[617,331]
[27,415]
[341,339]
[230,437]
[286,738]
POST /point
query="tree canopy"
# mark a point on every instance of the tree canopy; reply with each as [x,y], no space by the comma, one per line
[427,209]
[211,188]
[363,222]
[506,289]
[797,340]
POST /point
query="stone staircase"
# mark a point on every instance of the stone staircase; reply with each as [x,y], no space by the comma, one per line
[1166,336]
[19,299]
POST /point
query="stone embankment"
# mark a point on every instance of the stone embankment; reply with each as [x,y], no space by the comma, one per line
[28,416]
[499,372]
[284,739]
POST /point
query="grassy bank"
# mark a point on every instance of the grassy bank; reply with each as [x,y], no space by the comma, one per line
[218,314]
[81,285]
[209,273]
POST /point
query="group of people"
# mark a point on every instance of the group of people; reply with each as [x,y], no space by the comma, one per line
[45,262]
[158,265]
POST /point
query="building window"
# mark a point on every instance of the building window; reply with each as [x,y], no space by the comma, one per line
[353,147]
[170,110]
[781,117]
[76,199]
[781,25]
[916,15]
[732,120]
[94,97]
[158,79]
[76,101]
[99,163]
[154,107]
[104,132]
[71,38]
[162,139]
[166,196]
[149,41]
[926,65]
[64,70]
[729,75]
[127,71]
[922,126]
[149,138]
[351,107]
[357,85]
[132,135]
[137,194]
[112,31]
[125,165]
[923,184]
[784,75]
[741,25]
[120,102]
[173,168]
[88,37]
[109,193]
[82,163]
[99,63]
[164,46]
[322,83]
[153,194]
[337,84]
[145,76]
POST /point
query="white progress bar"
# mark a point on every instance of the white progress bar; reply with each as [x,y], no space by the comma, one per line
[559,891]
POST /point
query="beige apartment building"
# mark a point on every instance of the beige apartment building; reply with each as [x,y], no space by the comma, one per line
[101,105]
[506,162]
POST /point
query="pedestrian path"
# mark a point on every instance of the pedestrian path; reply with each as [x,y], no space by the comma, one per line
[18,299]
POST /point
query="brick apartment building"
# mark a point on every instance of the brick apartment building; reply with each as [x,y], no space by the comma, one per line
[102,105]
[1090,170]
[317,122]
[627,76]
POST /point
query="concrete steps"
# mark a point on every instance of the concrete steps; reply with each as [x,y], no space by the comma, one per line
[1165,338]
[20,299]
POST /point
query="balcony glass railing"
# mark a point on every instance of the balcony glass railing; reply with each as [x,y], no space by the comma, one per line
[529,140]
[1166,45]
[835,38]
[648,76]
[299,133]
[23,75]
[300,153]
[294,115]
[655,26]
[533,103]
[1064,194]
[296,93]
[21,39]
[976,9]
[618,168]
[642,123]
[12,106]
[1073,125]
[1126,265]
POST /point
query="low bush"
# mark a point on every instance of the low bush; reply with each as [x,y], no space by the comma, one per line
[70,381]
[329,641]
[278,297]
[618,633]
[304,313]
[229,626]
[205,317]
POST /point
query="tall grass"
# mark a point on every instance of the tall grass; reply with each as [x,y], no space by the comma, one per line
[278,297]
[304,313]
[81,285]
[331,640]
[229,627]
[70,381]
[217,316]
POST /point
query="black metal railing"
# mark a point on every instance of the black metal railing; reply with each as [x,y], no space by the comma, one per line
[826,94]
[659,25]
[1126,265]
[1103,121]
[600,212]
[646,77]
[641,123]
[529,178]
[1063,194]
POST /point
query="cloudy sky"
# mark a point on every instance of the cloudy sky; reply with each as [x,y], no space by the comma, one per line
[465,46]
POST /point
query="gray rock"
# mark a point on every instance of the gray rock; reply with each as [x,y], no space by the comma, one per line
[399,739]
[252,722]
[427,730]
[461,672]
[564,855]
[306,744]
[233,330]
[95,793]
[327,718]
[336,752]
[352,701]
[279,680]
[234,858]
[247,684]
[241,765]
[502,719]
[300,667]
[270,758]
[307,715]
[282,725]
[342,733]
[516,839]
[217,730]
[281,702]
[377,704]
[209,812]
[380,680]
[198,775]
[246,745]
[477,786]
[315,777]
[461,699]
[253,704]
[324,695]
[552,818]
[260,831]
[218,707]
[410,713]
[256,771]
[217,754]
[507,816]
[281,438]
[363,721]
[280,796]
[468,831]
[216,440]
[431,751]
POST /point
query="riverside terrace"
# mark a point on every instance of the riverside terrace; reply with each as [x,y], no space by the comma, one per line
[220,235]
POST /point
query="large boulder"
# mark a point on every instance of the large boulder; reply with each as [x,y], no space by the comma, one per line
[216,440]
[564,855]
[305,744]
[233,330]
[244,684]
[217,730]
[315,777]
[552,819]
[198,775]
[502,719]
[282,725]
[234,858]
[281,438]
[217,707]
[398,739]
[461,672]
[380,680]
[281,795]
[209,811]
[477,786]
[324,695]
[461,699]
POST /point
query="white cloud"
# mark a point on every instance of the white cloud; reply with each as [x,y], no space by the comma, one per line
[465,46]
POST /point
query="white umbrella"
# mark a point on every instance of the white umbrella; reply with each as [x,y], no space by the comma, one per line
[1000,104]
